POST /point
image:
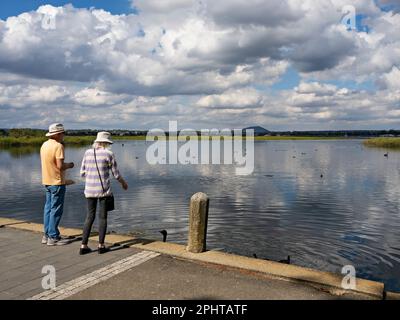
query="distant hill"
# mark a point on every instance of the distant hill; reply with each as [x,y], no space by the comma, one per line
[258,131]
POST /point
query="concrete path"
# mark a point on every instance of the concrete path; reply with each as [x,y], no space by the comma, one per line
[165,277]
[23,257]
[129,273]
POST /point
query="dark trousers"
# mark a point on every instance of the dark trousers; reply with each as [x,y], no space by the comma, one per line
[91,214]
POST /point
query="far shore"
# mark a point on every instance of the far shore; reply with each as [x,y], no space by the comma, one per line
[26,141]
[7,142]
[384,142]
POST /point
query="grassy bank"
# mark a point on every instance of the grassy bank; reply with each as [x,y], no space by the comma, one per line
[7,142]
[383,143]
[128,138]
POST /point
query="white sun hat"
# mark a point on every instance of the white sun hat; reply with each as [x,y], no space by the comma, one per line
[55,128]
[103,137]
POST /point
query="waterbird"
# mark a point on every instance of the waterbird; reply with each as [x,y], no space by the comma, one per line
[164,233]
[386,155]
[122,144]
[322,175]
[287,261]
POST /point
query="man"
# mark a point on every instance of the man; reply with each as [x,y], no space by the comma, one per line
[53,178]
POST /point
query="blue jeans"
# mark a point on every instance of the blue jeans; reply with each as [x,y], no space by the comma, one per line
[53,210]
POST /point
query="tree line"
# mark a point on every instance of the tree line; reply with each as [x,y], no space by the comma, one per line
[28,132]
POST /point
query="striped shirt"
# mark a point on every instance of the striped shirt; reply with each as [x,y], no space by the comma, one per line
[105,162]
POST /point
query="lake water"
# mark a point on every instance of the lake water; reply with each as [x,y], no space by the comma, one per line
[349,216]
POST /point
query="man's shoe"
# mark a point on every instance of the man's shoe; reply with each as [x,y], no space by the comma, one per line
[83,251]
[44,239]
[57,241]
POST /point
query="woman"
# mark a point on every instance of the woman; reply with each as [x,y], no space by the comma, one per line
[96,165]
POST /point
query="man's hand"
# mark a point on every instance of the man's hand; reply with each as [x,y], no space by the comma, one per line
[61,165]
[69,182]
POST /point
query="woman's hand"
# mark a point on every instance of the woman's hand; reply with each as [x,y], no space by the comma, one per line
[123,183]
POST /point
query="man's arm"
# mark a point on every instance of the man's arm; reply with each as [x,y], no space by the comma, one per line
[61,165]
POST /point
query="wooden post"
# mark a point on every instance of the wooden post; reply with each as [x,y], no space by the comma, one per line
[198,217]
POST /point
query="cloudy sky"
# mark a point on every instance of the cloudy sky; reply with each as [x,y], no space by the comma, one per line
[281,64]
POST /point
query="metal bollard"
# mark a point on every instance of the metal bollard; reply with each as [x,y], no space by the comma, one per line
[198,218]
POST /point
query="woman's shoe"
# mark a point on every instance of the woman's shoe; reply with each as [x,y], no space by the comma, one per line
[83,251]
[102,250]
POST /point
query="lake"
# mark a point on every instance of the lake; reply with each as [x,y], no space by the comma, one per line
[349,216]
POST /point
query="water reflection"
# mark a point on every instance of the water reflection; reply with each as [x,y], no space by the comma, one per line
[19,152]
[324,203]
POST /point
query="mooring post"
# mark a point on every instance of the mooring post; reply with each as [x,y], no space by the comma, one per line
[198,217]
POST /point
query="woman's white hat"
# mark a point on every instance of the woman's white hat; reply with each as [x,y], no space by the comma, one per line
[55,128]
[103,137]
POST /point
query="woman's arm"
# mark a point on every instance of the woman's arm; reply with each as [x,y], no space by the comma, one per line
[116,173]
[123,183]
[83,167]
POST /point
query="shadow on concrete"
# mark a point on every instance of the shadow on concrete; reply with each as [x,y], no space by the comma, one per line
[11,224]
[129,243]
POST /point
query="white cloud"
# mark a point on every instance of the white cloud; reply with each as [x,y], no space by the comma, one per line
[316,88]
[241,98]
[22,96]
[178,58]
[392,79]
[95,97]
[165,6]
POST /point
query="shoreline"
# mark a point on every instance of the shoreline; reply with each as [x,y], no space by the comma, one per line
[11,142]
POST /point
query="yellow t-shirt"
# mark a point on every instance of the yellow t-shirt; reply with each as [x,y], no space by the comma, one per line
[49,152]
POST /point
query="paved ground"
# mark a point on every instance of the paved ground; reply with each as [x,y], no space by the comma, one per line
[165,278]
[23,257]
[127,273]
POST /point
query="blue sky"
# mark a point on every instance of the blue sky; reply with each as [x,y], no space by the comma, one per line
[13,8]
[206,64]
